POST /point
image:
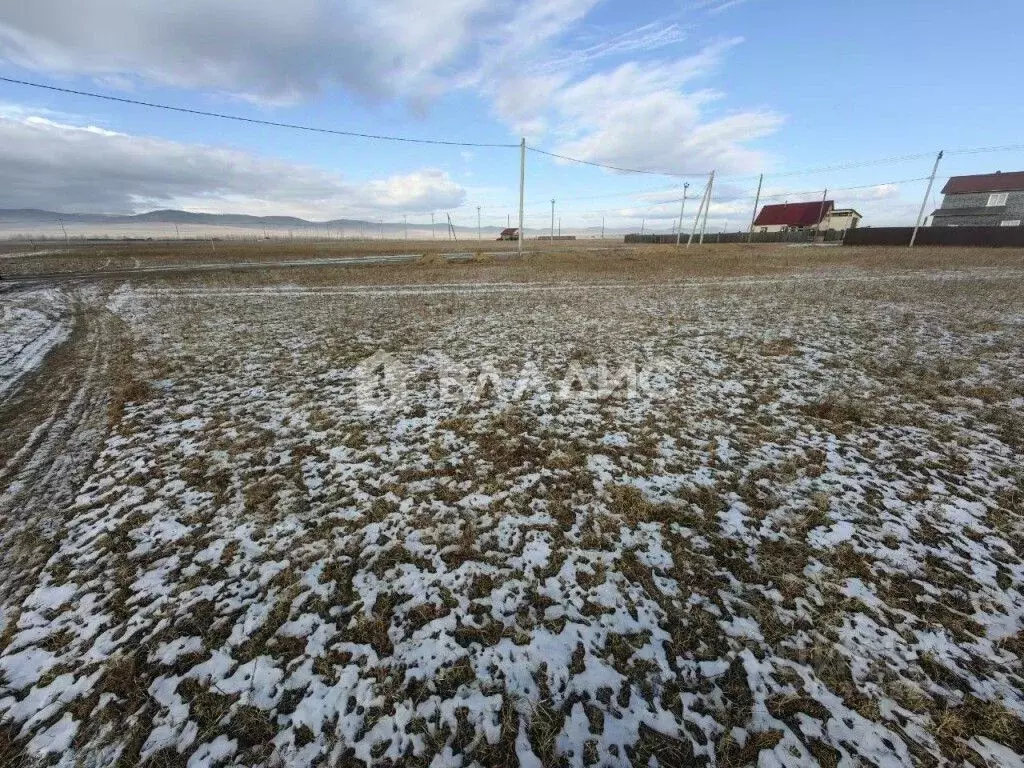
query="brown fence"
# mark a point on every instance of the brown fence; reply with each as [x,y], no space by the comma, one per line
[990,237]
[803,236]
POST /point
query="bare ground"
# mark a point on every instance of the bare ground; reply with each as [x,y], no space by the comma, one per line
[798,543]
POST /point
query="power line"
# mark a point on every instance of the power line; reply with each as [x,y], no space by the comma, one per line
[837,189]
[804,172]
[982,150]
[611,167]
[253,120]
[450,143]
[778,195]
[852,165]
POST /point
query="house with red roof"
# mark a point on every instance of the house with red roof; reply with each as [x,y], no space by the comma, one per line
[796,217]
[985,200]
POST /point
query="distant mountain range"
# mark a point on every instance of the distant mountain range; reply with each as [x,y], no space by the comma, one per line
[33,219]
[170,217]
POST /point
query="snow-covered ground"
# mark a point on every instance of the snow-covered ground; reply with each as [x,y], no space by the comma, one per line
[787,529]
[32,323]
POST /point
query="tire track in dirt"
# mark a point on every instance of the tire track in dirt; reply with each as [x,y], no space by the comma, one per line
[53,427]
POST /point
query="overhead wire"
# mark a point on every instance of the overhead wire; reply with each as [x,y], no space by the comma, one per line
[559,156]
[778,195]
[618,168]
[496,145]
[254,120]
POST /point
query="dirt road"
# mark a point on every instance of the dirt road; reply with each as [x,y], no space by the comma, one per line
[55,419]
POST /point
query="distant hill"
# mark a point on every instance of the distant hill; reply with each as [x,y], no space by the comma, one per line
[165,217]
[161,223]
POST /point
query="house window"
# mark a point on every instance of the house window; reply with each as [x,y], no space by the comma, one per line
[1010,223]
[997,199]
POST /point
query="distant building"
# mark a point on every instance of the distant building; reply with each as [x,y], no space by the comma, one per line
[841,219]
[512,233]
[987,200]
[795,217]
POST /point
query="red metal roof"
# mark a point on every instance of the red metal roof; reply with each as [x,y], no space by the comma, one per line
[985,182]
[793,214]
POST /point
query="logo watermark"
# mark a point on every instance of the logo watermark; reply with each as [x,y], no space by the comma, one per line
[385,382]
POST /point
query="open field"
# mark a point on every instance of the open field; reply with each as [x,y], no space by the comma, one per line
[488,260]
[744,506]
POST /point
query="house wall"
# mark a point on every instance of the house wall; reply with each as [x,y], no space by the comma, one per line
[840,222]
[1014,210]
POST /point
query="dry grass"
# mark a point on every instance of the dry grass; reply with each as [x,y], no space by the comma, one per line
[826,490]
[595,258]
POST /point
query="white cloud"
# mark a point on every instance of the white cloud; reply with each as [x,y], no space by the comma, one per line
[871,194]
[261,49]
[647,116]
[623,97]
[49,164]
[716,6]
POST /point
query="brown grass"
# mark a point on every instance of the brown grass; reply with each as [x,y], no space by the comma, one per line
[598,258]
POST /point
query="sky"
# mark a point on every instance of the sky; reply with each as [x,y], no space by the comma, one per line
[870,91]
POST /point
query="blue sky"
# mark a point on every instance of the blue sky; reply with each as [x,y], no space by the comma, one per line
[740,86]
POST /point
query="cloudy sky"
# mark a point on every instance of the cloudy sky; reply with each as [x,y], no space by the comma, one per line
[744,87]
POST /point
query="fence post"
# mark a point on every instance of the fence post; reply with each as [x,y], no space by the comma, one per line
[522,184]
[924,203]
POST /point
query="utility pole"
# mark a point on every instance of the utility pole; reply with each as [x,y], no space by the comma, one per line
[433,232]
[381,230]
[707,208]
[67,242]
[696,220]
[757,201]
[682,208]
[479,232]
[643,223]
[821,212]
[552,218]
[177,232]
[602,227]
[927,194]
[522,185]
